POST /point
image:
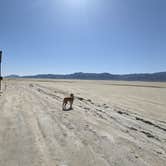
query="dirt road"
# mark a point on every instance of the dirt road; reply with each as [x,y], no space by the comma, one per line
[108,126]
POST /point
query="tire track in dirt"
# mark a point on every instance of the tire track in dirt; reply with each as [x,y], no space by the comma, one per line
[18,140]
[69,127]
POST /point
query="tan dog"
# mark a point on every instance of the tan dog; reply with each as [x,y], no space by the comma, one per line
[66,100]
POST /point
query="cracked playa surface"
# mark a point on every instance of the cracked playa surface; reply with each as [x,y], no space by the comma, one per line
[112,124]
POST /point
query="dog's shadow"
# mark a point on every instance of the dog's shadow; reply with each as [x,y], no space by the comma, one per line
[67,109]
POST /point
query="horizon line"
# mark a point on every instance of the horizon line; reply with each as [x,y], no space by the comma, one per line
[82,73]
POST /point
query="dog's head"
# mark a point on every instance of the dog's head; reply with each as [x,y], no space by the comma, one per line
[72,95]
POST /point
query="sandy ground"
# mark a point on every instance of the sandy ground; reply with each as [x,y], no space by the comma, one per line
[112,124]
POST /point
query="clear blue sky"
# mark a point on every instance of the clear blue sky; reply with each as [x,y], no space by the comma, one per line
[66,36]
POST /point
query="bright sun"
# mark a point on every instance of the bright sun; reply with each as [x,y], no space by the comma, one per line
[76,3]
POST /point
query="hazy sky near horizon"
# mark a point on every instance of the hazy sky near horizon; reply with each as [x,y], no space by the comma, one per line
[66,36]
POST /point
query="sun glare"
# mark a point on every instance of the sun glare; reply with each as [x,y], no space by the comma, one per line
[76,3]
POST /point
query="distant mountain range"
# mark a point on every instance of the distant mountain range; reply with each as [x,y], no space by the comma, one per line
[156,77]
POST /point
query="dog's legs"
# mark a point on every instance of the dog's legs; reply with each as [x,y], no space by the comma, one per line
[71,105]
[64,106]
